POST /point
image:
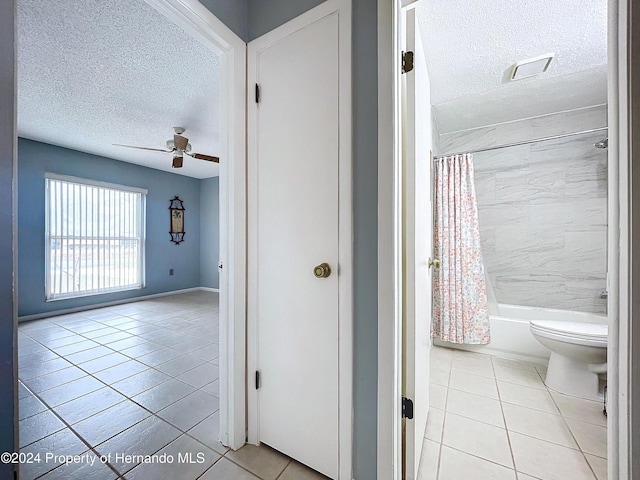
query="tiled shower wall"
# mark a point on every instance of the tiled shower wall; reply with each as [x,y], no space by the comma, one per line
[542,209]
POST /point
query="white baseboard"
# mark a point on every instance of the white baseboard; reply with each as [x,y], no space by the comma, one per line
[496,352]
[65,311]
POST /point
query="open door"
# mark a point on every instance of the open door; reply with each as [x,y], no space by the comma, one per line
[417,243]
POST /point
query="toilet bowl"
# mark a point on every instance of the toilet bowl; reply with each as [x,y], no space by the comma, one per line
[578,355]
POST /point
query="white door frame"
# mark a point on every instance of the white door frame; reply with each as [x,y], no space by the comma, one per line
[616,441]
[623,221]
[389,242]
[345,237]
[198,21]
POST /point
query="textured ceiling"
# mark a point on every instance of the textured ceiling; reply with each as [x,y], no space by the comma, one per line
[472,46]
[96,72]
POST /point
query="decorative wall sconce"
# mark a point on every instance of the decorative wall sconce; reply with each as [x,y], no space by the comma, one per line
[176,212]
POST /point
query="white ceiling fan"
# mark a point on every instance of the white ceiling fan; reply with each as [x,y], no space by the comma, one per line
[179,146]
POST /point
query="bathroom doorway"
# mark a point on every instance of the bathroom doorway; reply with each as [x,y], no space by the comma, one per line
[542,188]
[542,218]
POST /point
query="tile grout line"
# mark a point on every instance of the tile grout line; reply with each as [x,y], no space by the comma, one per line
[566,423]
[246,469]
[72,430]
[502,402]
[88,373]
[210,467]
[93,339]
[152,414]
[465,452]
[92,448]
[483,459]
[519,433]
[560,413]
[149,368]
[504,419]
[285,467]
[155,414]
[444,421]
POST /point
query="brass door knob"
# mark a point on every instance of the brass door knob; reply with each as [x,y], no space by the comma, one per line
[322,271]
[435,262]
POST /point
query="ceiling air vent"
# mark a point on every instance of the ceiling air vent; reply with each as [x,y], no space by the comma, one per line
[531,66]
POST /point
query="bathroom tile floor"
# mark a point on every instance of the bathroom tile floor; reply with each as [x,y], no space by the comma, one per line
[492,418]
[135,379]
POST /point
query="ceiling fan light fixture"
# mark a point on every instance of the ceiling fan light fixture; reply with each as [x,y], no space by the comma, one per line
[180,142]
[172,146]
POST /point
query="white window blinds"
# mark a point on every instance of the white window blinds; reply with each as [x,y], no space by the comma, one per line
[94,237]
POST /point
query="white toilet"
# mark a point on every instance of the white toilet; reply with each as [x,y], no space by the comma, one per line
[578,355]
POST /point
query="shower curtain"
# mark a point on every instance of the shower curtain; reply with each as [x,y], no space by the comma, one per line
[461,313]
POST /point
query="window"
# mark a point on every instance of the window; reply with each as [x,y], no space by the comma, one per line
[94,237]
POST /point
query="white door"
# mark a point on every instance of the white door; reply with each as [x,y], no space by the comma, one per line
[295,182]
[418,243]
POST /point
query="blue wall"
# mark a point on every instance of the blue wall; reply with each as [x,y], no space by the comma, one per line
[365,237]
[233,13]
[8,346]
[265,15]
[209,228]
[34,159]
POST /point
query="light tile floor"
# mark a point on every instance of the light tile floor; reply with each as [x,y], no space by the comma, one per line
[134,379]
[492,418]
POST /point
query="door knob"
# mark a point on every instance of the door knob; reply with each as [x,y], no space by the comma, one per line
[435,262]
[322,271]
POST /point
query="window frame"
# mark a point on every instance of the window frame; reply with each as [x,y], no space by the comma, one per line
[140,221]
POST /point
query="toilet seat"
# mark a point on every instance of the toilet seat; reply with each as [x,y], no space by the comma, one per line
[590,334]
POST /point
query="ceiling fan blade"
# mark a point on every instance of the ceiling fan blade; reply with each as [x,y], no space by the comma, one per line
[142,148]
[201,156]
[180,142]
[177,161]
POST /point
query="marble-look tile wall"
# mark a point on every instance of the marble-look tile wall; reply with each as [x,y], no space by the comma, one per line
[543,210]
[522,130]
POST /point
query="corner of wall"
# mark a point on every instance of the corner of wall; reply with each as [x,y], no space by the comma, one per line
[233,13]
[209,232]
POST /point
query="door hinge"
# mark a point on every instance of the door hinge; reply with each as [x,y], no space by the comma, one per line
[257,93]
[407,408]
[220,265]
[407,62]
[257,379]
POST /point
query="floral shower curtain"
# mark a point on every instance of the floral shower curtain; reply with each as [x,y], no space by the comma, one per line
[461,313]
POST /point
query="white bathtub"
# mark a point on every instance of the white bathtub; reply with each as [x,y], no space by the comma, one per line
[510,335]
